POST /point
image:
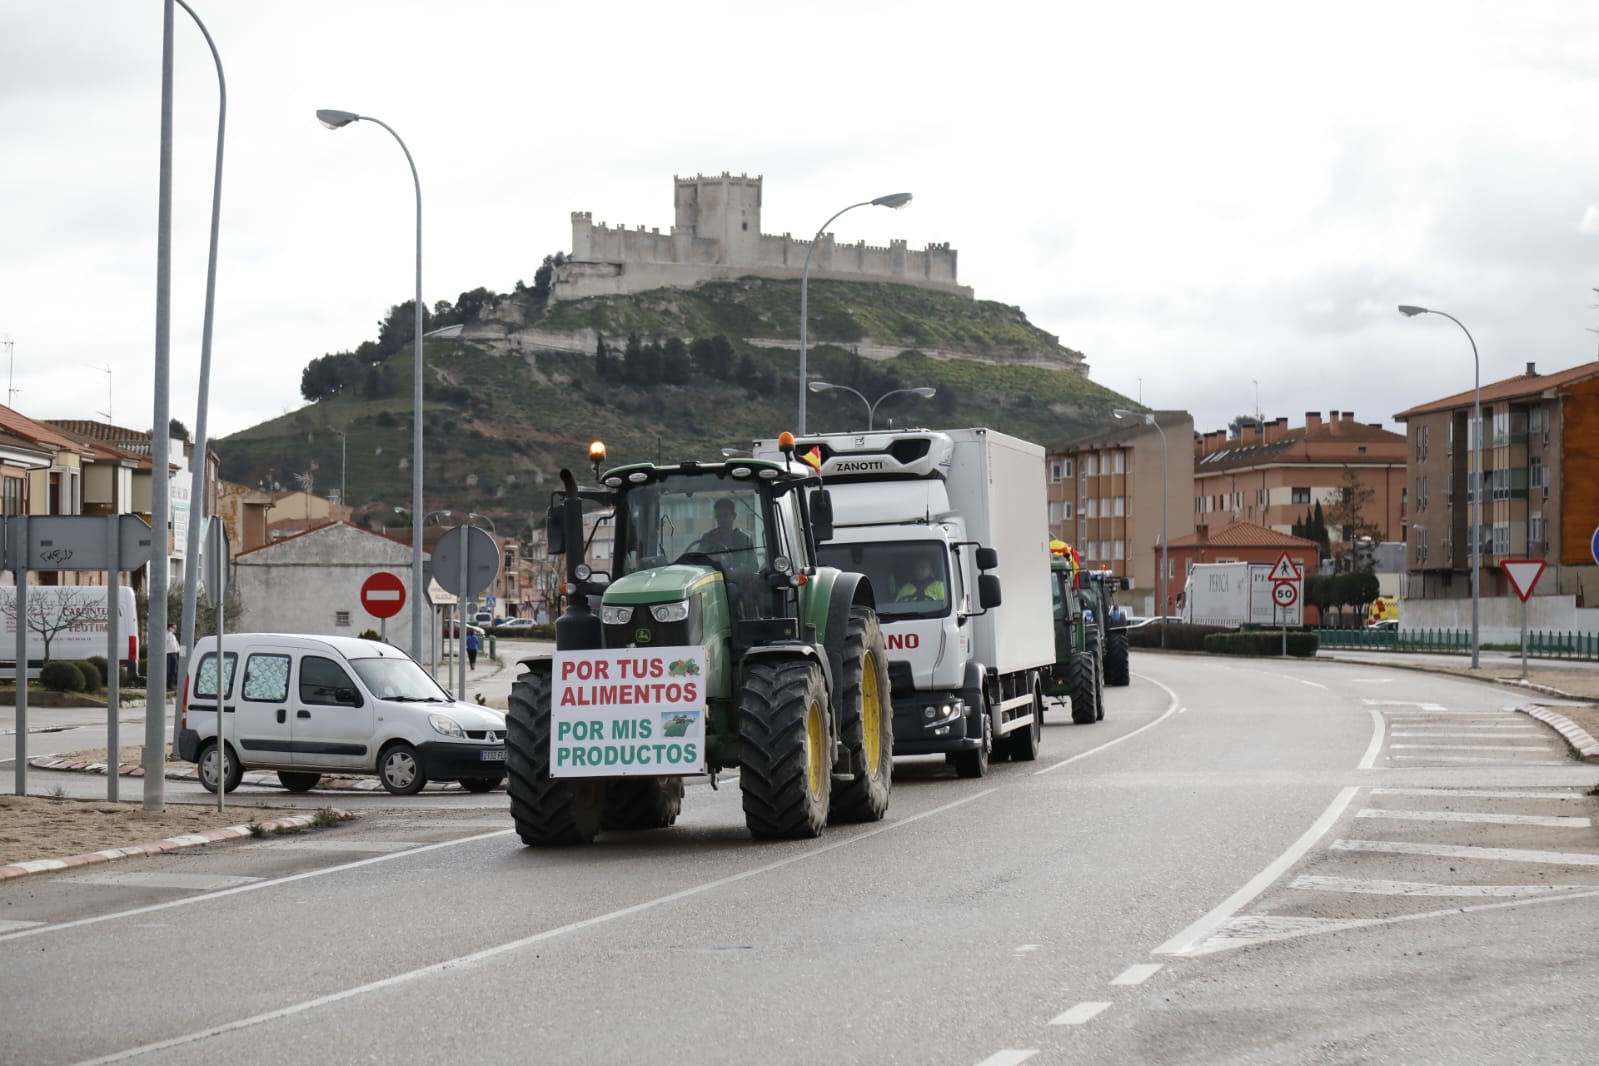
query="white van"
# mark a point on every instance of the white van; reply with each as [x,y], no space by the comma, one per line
[309,705]
[67,622]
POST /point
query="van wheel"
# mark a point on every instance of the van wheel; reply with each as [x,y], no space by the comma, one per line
[481,784]
[400,771]
[232,772]
[298,781]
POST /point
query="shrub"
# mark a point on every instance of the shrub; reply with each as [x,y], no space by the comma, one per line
[101,665]
[93,677]
[1180,636]
[61,675]
[370,634]
[1261,642]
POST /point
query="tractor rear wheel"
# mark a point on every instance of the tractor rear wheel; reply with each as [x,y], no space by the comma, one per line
[546,811]
[868,726]
[785,746]
[1117,672]
[642,802]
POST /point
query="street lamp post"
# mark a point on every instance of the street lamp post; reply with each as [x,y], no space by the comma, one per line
[1149,419]
[334,120]
[924,391]
[896,201]
[1474,442]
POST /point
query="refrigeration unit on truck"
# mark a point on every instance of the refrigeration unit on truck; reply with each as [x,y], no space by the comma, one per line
[941,523]
[66,622]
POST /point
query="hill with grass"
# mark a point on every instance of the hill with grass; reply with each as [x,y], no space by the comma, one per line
[658,376]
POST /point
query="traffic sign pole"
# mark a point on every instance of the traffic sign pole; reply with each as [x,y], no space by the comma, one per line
[1524,640]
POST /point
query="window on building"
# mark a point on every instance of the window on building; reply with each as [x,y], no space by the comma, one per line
[1104,507]
[1300,495]
[1422,436]
[1117,548]
[1120,503]
[341,619]
[1421,494]
[1120,466]
[11,496]
[1067,515]
[1091,465]
[1093,507]
[1537,532]
[1056,472]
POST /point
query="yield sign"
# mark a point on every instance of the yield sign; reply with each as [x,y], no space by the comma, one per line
[383,595]
[1523,575]
[1284,569]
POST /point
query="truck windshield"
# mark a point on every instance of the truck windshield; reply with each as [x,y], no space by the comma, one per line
[693,515]
[910,578]
[392,678]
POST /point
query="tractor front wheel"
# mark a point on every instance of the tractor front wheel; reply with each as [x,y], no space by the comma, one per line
[785,749]
[642,803]
[546,811]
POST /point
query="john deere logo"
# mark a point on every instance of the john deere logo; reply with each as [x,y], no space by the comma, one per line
[642,636]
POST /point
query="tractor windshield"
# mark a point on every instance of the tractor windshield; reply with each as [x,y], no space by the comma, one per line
[696,515]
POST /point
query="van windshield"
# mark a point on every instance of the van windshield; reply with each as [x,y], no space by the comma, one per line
[397,679]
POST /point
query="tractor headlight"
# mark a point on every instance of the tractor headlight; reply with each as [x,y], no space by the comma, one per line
[670,612]
[582,571]
[616,616]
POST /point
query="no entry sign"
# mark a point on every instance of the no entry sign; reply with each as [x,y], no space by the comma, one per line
[383,595]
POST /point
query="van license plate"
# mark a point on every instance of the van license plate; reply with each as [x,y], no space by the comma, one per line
[492,756]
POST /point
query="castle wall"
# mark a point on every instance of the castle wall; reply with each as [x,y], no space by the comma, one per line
[716,236]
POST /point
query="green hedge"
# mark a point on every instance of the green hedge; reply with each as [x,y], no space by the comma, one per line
[93,676]
[1262,642]
[100,664]
[61,675]
[1180,636]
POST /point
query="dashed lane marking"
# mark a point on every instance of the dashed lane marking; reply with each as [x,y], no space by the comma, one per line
[188,882]
[1137,975]
[1466,851]
[1475,818]
[1009,1057]
[1080,1014]
[1026,948]
[1358,886]
[1478,793]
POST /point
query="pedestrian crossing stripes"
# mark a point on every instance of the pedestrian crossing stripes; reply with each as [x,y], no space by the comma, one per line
[1466,851]
[1547,821]
[1361,886]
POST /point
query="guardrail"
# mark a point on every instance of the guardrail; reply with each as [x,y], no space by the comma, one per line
[1541,644]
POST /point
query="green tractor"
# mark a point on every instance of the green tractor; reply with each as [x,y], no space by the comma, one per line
[1100,587]
[1078,674]
[717,642]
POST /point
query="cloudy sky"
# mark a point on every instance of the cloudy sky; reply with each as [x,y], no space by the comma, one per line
[1209,200]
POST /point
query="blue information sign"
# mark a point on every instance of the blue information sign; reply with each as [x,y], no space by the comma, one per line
[1593,546]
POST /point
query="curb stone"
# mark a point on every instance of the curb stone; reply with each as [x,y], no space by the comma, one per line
[1586,747]
[329,783]
[185,840]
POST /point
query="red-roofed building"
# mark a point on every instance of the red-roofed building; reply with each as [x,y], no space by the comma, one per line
[1540,477]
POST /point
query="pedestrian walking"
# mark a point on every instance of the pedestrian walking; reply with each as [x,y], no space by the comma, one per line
[471,649]
[174,649]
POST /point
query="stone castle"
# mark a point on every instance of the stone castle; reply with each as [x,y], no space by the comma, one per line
[717,236]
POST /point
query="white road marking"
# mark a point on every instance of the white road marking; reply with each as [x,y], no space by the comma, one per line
[1423,888]
[1025,948]
[1184,942]
[1371,680]
[1257,929]
[468,823]
[1547,821]
[1289,677]
[1375,747]
[7,925]
[191,882]
[512,945]
[1008,1057]
[1444,732]
[1465,851]
[1470,747]
[1477,759]
[1078,1015]
[1486,793]
[1171,709]
[1137,975]
[374,846]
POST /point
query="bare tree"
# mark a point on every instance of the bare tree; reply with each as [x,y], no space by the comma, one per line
[64,608]
[1348,511]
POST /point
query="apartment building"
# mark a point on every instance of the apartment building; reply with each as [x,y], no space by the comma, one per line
[1539,485]
[1274,474]
[1105,499]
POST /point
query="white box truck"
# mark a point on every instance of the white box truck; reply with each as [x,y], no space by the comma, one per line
[1237,594]
[952,529]
[66,622]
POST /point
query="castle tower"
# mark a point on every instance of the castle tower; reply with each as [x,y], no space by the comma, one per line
[724,209]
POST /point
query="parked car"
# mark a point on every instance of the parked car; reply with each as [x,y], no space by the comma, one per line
[516,625]
[1139,623]
[485,618]
[1386,625]
[309,705]
[451,630]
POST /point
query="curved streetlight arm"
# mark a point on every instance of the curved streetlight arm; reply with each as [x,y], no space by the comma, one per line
[827,386]
[871,413]
[197,507]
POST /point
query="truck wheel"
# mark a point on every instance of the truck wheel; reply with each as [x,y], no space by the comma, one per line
[642,803]
[975,763]
[786,753]
[868,726]
[1117,672]
[546,811]
[1021,745]
[232,772]
[298,781]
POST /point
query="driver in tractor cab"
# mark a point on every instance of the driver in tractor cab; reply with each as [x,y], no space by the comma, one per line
[724,537]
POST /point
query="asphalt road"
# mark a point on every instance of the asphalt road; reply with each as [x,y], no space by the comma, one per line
[1245,862]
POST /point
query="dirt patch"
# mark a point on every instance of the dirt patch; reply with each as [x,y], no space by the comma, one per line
[36,827]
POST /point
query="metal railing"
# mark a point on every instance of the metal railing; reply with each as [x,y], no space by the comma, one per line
[1541,644]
